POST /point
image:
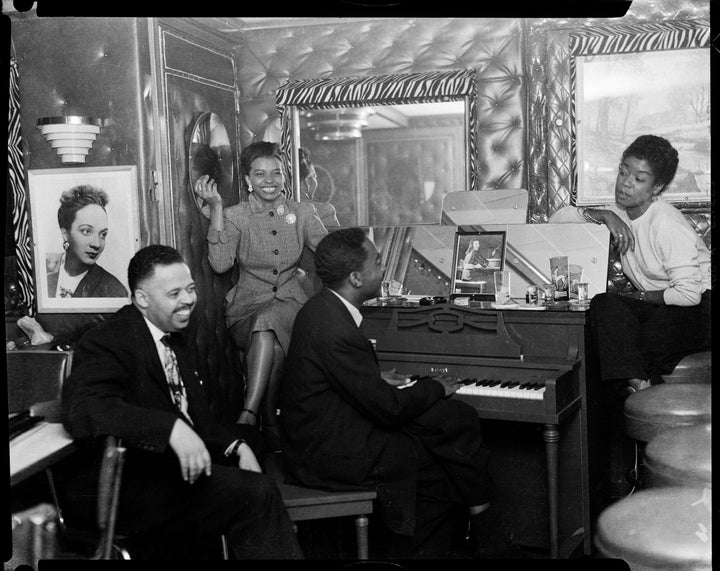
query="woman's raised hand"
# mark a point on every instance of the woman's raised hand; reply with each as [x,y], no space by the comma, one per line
[207,189]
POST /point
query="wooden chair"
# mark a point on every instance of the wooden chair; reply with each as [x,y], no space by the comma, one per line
[308,504]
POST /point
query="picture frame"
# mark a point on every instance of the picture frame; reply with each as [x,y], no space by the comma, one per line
[97,291]
[477,256]
[621,89]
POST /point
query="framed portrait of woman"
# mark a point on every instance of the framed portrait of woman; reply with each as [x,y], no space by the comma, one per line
[478,255]
[85,230]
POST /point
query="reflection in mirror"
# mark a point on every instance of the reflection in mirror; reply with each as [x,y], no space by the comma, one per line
[387,164]
[390,145]
[210,153]
[423,258]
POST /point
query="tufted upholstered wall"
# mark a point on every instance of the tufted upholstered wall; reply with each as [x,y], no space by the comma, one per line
[268,58]
[107,78]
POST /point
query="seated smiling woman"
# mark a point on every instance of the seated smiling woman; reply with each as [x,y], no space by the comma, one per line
[643,334]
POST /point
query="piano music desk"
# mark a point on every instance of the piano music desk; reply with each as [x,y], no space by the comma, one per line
[546,348]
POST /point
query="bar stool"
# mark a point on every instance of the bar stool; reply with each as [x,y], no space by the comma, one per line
[651,411]
[693,368]
[659,529]
[680,457]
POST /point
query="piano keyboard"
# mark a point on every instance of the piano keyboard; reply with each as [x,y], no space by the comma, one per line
[503,389]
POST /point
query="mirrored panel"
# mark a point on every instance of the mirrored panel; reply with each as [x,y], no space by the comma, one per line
[386,164]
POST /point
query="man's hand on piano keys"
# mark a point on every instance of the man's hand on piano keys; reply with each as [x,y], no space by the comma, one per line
[450,384]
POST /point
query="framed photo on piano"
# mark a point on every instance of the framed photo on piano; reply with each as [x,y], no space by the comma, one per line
[478,255]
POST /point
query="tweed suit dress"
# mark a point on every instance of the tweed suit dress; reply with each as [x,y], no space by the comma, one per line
[267,244]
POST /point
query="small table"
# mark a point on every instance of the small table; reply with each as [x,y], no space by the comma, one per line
[37,449]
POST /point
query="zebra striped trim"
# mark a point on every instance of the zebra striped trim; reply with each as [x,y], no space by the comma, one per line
[393,89]
[630,38]
[641,37]
[16,180]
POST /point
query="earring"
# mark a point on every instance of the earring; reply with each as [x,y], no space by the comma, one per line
[250,187]
[66,245]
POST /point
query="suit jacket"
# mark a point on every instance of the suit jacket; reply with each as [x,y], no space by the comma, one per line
[343,425]
[98,282]
[117,386]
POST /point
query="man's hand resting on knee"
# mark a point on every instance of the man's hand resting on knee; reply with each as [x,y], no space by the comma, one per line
[191,452]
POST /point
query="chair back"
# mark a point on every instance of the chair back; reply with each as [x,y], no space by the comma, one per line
[108,494]
[35,379]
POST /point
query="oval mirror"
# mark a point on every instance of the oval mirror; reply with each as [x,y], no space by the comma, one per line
[210,153]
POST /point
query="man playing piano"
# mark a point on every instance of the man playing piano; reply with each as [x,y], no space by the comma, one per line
[347,425]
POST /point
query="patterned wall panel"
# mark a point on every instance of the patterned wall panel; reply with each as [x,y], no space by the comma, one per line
[189,91]
[268,58]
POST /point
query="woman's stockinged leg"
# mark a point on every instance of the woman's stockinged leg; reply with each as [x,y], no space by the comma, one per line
[260,358]
[272,394]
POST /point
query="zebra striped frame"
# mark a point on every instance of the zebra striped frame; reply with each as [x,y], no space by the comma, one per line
[629,38]
[393,89]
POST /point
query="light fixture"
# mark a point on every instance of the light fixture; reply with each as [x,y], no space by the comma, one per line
[71,136]
[337,124]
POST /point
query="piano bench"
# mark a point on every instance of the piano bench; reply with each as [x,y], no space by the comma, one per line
[693,368]
[680,457]
[308,504]
[651,411]
[660,528]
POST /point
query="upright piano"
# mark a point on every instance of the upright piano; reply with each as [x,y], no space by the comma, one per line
[518,366]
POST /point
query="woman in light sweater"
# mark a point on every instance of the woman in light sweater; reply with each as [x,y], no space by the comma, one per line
[643,334]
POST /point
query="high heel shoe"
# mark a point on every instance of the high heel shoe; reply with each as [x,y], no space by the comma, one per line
[245,418]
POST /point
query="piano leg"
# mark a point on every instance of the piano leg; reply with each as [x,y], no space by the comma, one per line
[551,436]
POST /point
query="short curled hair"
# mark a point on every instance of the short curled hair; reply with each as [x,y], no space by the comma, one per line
[339,254]
[75,199]
[257,150]
[659,154]
[142,265]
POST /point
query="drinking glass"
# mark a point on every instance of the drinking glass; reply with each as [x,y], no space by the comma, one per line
[502,287]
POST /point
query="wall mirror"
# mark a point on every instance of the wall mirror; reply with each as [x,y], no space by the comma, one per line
[386,149]
[210,153]
[423,257]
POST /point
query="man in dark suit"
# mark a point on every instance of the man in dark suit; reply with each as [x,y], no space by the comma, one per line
[187,480]
[346,424]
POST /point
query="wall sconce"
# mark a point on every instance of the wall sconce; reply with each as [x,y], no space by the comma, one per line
[337,124]
[71,136]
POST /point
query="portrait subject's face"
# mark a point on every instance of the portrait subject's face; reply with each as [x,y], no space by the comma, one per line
[87,234]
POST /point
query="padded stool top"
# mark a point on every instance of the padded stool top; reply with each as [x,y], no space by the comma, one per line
[660,528]
[693,368]
[664,406]
[681,456]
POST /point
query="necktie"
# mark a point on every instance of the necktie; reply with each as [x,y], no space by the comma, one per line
[174,379]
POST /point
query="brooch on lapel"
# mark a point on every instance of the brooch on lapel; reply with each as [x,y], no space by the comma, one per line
[290,218]
[280,210]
